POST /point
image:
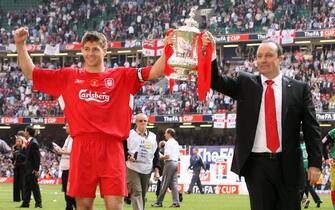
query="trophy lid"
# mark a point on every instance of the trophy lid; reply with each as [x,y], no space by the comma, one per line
[191,24]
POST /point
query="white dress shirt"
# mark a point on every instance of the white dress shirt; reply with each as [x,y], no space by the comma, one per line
[171,149]
[260,137]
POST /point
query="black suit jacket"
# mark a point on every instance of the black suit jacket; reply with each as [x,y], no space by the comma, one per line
[33,156]
[297,112]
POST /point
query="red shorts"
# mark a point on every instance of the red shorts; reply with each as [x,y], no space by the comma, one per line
[97,159]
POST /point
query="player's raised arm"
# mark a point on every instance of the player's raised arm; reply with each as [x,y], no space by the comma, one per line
[24,59]
[157,69]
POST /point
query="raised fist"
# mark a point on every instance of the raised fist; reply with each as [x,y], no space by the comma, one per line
[20,35]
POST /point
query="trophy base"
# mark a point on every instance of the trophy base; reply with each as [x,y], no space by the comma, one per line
[183,74]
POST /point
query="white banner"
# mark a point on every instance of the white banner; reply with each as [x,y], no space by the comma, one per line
[282,37]
[51,50]
[231,120]
[219,120]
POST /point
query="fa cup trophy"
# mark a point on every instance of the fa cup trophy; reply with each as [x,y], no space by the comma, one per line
[184,60]
[187,58]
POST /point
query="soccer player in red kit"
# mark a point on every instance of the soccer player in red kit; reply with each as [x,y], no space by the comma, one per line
[97,104]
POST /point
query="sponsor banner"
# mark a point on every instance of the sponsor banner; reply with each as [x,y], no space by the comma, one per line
[218,189]
[70,47]
[309,34]
[217,160]
[115,45]
[325,116]
[327,32]
[40,180]
[213,154]
[34,47]
[208,188]
[153,187]
[34,120]
[207,118]
[9,120]
[257,36]
[6,179]
[233,38]
[54,120]
[153,47]
[167,119]
[50,181]
[237,37]
[191,118]
[227,189]
[152,119]
[224,120]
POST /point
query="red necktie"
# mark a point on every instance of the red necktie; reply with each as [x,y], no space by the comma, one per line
[272,138]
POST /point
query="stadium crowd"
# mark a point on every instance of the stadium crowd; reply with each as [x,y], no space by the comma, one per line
[64,21]
[49,165]
[315,66]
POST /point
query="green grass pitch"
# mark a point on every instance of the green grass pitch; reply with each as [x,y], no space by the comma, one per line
[53,199]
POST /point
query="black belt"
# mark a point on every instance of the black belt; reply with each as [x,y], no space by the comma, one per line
[267,155]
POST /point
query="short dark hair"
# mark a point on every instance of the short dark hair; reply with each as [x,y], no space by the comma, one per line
[30,130]
[94,36]
[279,48]
[171,131]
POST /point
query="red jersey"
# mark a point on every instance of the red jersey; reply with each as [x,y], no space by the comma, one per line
[94,102]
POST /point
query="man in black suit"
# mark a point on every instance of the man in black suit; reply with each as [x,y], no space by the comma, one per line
[31,170]
[271,110]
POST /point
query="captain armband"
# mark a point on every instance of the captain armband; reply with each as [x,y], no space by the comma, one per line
[140,75]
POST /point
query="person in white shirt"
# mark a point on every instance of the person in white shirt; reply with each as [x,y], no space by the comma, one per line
[64,164]
[142,158]
[170,178]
